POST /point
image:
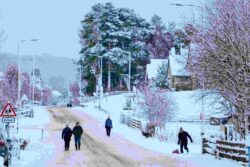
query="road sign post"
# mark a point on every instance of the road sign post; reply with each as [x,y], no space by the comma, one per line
[8,120]
[8,116]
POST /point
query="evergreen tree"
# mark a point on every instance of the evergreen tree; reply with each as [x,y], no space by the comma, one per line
[115,34]
[161,79]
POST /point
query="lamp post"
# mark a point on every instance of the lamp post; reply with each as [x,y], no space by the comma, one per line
[19,72]
[190,5]
[98,38]
[129,72]
[202,102]
[80,83]
[33,70]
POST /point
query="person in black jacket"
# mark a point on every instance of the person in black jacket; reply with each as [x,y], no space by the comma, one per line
[66,135]
[182,139]
[108,125]
[77,131]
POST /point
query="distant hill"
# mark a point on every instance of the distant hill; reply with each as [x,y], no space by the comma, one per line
[50,67]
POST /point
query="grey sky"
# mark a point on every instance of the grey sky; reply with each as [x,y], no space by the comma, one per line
[57,22]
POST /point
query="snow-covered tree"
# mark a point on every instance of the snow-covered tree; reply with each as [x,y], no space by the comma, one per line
[25,86]
[221,57]
[114,34]
[161,79]
[9,85]
[156,106]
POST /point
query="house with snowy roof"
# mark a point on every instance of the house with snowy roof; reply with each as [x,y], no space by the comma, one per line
[179,77]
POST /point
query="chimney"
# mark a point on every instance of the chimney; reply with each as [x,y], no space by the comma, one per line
[177,49]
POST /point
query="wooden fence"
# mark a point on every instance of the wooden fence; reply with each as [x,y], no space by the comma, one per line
[234,150]
[130,121]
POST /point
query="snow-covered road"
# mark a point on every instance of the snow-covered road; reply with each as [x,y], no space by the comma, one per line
[97,149]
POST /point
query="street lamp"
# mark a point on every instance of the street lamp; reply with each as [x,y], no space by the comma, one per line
[19,65]
[33,76]
[98,38]
[19,73]
[129,72]
[190,5]
[202,102]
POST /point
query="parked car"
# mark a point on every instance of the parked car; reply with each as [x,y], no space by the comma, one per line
[4,151]
[69,105]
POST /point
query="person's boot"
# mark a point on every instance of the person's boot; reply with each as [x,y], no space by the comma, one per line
[76,146]
[79,145]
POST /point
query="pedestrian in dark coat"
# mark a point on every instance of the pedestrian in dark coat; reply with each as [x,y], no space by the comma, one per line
[77,131]
[182,139]
[108,126]
[66,136]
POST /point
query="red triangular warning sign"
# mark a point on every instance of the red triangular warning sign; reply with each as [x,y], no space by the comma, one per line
[8,111]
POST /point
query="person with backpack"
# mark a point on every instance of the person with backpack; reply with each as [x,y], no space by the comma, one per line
[108,126]
[182,139]
[66,136]
[77,131]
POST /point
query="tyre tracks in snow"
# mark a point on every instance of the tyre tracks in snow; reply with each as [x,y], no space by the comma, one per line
[93,153]
[97,150]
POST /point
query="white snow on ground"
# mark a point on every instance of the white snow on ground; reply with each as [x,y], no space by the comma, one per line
[189,105]
[39,148]
[113,105]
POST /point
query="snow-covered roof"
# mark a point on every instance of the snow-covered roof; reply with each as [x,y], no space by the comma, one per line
[178,63]
[153,67]
[24,98]
[55,93]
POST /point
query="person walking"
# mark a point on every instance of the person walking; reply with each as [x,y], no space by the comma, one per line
[77,131]
[182,139]
[108,126]
[66,136]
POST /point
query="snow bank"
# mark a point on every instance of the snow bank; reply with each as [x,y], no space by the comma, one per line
[39,148]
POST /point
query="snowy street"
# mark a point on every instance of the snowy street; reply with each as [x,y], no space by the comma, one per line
[97,149]
[124,83]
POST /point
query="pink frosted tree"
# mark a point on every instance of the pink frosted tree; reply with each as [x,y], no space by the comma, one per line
[74,89]
[9,85]
[156,106]
[46,96]
[221,57]
[162,41]
[25,87]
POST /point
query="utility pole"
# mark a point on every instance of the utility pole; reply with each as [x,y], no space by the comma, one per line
[19,84]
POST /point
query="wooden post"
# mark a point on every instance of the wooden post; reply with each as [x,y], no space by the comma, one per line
[246,125]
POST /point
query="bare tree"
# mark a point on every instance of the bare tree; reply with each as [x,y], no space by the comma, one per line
[221,56]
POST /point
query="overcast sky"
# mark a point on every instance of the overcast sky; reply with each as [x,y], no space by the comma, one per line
[56,22]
